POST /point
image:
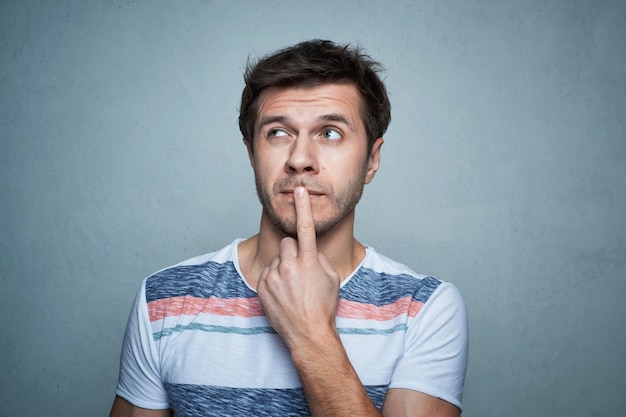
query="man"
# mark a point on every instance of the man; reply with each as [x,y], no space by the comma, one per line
[300,319]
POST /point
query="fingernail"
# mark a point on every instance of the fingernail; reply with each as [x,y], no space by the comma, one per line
[298,192]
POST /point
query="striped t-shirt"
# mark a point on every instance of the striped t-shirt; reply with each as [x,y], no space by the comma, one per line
[198,341]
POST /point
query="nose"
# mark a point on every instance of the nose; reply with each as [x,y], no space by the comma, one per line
[302,157]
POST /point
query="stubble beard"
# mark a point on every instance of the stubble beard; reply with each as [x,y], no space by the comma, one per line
[341,203]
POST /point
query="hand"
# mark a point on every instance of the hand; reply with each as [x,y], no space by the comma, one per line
[299,289]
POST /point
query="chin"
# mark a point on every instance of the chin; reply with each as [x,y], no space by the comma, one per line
[287,224]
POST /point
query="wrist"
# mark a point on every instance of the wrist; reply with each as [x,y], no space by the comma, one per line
[316,346]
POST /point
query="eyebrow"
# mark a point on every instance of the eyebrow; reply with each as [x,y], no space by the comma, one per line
[330,117]
[271,119]
[336,117]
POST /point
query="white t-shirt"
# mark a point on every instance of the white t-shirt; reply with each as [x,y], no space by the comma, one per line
[198,341]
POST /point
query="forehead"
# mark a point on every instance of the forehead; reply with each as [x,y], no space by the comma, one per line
[311,101]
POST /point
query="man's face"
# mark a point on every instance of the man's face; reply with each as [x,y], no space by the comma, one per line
[312,137]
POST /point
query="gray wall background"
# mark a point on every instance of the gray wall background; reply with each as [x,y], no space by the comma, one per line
[504,171]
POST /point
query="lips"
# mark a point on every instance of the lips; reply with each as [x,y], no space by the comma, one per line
[289,184]
[311,192]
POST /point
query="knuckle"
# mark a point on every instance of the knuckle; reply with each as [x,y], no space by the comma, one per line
[286,268]
[306,228]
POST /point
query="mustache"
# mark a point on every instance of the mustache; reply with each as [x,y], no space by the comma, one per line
[311,184]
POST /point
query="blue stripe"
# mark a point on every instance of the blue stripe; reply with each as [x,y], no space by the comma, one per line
[355,330]
[381,289]
[213,329]
[222,280]
[208,401]
[247,331]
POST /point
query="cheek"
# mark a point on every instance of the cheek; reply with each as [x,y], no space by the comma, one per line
[262,168]
[345,168]
[265,180]
[268,163]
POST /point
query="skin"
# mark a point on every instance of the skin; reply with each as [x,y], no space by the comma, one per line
[310,160]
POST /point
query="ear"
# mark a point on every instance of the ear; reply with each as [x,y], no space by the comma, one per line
[373,160]
[250,152]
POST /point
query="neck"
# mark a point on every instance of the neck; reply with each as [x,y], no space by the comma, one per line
[338,244]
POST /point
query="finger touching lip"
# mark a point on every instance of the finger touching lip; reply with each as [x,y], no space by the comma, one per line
[310,192]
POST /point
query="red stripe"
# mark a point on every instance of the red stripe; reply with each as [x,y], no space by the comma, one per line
[354,310]
[251,307]
[192,306]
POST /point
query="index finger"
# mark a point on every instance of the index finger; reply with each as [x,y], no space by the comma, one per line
[305,225]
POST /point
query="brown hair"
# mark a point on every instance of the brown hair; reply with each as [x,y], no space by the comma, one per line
[312,63]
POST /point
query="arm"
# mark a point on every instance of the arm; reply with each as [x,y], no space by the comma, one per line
[405,402]
[139,377]
[122,408]
[330,383]
[299,291]
[333,388]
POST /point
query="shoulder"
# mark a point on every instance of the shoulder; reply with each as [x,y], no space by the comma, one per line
[382,264]
[198,276]
[392,279]
[382,280]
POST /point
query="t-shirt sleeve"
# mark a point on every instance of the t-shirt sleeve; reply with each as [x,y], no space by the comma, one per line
[436,345]
[140,382]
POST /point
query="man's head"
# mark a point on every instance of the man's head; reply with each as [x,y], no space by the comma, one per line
[313,115]
[313,63]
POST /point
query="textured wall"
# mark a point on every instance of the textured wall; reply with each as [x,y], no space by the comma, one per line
[504,171]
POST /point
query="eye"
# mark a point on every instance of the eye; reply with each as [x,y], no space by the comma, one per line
[276,133]
[331,134]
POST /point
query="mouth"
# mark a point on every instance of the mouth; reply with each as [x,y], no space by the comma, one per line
[312,193]
[287,186]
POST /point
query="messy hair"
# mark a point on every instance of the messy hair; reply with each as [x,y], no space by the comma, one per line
[313,63]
